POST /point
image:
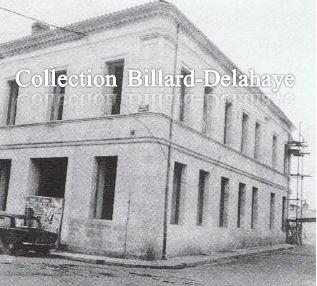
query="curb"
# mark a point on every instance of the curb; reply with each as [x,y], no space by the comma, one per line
[163,264]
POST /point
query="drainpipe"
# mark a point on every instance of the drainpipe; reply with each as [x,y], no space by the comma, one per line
[171,125]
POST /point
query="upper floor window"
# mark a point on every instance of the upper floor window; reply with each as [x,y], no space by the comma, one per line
[182,99]
[244,133]
[257,140]
[274,151]
[116,68]
[57,106]
[13,102]
[286,159]
[206,110]
[228,122]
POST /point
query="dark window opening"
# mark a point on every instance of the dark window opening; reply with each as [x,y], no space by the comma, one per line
[254,208]
[51,174]
[286,159]
[274,150]
[241,205]
[284,209]
[177,192]
[203,178]
[244,133]
[206,110]
[5,167]
[257,140]
[116,68]
[57,107]
[13,102]
[106,185]
[224,201]
[272,211]
[182,102]
[227,125]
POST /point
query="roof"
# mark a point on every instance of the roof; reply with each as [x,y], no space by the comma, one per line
[54,37]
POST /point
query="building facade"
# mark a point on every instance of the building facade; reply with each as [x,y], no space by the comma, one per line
[135,182]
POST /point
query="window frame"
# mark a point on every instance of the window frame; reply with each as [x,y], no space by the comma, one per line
[99,207]
[58,98]
[13,97]
[224,202]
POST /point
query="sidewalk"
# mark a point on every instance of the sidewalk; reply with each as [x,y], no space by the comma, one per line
[174,262]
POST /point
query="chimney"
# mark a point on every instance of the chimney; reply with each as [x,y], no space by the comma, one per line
[38,27]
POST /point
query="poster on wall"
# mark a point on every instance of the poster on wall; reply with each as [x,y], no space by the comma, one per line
[49,210]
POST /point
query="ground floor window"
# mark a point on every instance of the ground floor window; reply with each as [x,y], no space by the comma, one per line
[202,186]
[105,187]
[178,183]
[284,208]
[224,201]
[272,210]
[5,167]
[241,205]
[49,176]
[254,208]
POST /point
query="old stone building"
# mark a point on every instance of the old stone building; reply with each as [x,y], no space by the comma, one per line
[134,182]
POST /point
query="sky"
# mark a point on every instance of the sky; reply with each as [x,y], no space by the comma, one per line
[269,36]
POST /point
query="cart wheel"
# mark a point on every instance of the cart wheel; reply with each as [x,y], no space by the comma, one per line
[13,248]
[3,248]
[8,248]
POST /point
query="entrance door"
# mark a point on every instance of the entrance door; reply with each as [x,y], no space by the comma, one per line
[48,184]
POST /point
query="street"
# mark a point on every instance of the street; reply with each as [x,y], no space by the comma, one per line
[288,267]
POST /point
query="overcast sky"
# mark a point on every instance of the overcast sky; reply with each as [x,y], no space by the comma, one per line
[268,35]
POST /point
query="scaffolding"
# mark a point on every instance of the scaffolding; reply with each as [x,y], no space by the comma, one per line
[294,226]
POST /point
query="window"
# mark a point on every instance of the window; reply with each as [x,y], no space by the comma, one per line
[286,159]
[274,150]
[13,102]
[206,110]
[57,106]
[272,211]
[257,140]
[105,189]
[182,100]
[179,170]
[224,200]
[284,209]
[254,208]
[5,166]
[241,205]
[116,68]
[244,133]
[203,178]
[227,125]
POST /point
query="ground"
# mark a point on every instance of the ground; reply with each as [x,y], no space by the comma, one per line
[288,267]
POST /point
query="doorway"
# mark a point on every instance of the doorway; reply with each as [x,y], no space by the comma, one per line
[50,175]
